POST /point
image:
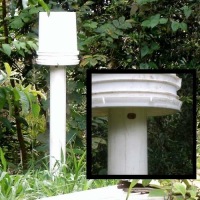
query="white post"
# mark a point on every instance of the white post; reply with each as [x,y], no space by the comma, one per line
[57,115]
[57,49]
[127,141]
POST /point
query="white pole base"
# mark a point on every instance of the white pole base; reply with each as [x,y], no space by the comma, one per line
[57,116]
[127,141]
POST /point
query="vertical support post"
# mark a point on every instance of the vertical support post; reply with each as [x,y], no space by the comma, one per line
[127,141]
[57,115]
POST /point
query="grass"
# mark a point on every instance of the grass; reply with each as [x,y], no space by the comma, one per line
[40,183]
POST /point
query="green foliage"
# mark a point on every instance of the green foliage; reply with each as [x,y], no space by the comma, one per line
[16,101]
[172,189]
[154,21]
[99,146]
[38,183]
[26,97]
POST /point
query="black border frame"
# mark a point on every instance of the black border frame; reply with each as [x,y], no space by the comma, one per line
[89,117]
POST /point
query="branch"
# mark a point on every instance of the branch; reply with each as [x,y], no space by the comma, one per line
[5,27]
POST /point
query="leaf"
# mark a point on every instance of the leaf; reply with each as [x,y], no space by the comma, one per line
[116,23]
[179,188]
[187,11]
[133,183]
[8,69]
[35,110]
[146,182]
[32,45]
[155,46]
[128,24]
[93,62]
[152,65]
[93,25]
[5,122]
[16,94]
[154,20]
[163,20]
[157,193]
[23,121]
[142,2]
[24,102]
[17,45]
[193,192]
[183,26]
[44,6]
[144,66]
[84,62]
[17,23]
[134,8]
[3,160]
[88,3]
[90,24]
[23,45]
[33,10]
[144,50]
[175,26]
[6,49]
[146,23]
[122,20]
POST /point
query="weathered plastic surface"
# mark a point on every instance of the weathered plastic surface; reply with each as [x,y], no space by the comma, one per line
[155,92]
[57,116]
[105,193]
[127,142]
[57,39]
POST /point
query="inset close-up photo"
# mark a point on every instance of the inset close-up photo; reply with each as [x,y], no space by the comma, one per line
[141,124]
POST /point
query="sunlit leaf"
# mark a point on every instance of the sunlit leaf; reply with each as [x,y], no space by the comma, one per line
[179,188]
[146,182]
[157,193]
[24,102]
[88,3]
[32,45]
[35,109]
[133,183]
[16,94]
[44,6]
[93,62]
[8,69]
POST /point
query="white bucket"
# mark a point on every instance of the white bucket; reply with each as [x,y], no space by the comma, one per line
[57,39]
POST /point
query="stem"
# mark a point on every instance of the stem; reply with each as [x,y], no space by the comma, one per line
[19,133]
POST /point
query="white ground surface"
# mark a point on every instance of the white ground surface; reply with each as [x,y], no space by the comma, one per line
[109,193]
[105,193]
